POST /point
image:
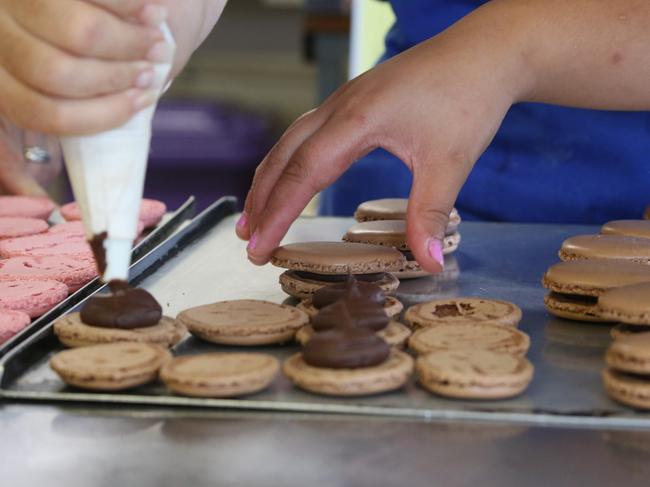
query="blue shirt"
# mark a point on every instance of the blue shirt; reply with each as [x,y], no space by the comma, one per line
[546,163]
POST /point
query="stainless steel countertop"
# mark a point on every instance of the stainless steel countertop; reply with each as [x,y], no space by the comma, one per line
[50,445]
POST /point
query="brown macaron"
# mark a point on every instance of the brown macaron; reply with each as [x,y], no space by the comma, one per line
[245,322]
[110,367]
[392,306]
[312,265]
[576,285]
[630,354]
[463,310]
[220,374]
[73,332]
[629,389]
[615,247]
[395,209]
[392,233]
[627,304]
[630,228]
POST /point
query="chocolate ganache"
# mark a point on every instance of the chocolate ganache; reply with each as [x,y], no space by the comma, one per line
[329,294]
[360,311]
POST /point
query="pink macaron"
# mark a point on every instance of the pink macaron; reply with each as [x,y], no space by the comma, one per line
[71,271]
[77,228]
[26,206]
[12,322]
[31,297]
[46,244]
[151,212]
[13,226]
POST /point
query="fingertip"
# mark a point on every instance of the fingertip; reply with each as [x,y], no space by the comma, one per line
[242,228]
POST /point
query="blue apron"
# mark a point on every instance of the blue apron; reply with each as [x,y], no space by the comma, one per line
[546,163]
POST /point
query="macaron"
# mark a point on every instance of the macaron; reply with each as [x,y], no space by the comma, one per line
[630,354]
[575,285]
[474,374]
[26,206]
[628,304]
[110,367]
[395,334]
[33,298]
[463,310]
[624,329]
[11,323]
[469,336]
[616,247]
[313,265]
[395,209]
[46,244]
[220,374]
[151,212]
[392,233]
[392,306]
[12,227]
[73,332]
[392,374]
[71,271]
[244,322]
[629,389]
[630,228]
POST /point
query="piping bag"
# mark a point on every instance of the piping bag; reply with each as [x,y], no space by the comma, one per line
[107,172]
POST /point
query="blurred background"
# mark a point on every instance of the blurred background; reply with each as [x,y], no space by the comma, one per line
[265,63]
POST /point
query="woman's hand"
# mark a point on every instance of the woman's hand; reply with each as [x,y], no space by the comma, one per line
[436,107]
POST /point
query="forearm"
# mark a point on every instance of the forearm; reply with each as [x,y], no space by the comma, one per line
[191,21]
[583,53]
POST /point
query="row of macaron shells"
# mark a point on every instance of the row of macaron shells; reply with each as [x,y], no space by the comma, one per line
[40,265]
[605,278]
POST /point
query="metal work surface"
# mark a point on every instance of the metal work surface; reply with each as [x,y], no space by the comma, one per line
[75,447]
[494,260]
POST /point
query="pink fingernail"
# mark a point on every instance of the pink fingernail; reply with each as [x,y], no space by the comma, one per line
[243,220]
[435,250]
[252,243]
[144,79]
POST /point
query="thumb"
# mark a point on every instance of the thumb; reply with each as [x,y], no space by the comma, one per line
[433,193]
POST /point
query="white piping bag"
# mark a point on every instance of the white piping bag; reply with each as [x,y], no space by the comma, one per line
[107,172]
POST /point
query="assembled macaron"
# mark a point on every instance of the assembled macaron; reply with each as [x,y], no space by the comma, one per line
[614,247]
[395,209]
[630,228]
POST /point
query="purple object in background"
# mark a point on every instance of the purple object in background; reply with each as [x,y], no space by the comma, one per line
[205,150]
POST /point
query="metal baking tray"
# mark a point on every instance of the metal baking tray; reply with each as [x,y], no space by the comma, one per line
[206,263]
[169,225]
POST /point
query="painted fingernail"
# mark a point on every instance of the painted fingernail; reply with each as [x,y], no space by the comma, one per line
[144,79]
[160,52]
[154,15]
[243,220]
[252,243]
[434,246]
[141,99]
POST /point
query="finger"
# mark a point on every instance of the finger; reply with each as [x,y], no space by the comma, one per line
[85,30]
[151,12]
[271,167]
[14,174]
[436,183]
[41,113]
[54,72]
[316,164]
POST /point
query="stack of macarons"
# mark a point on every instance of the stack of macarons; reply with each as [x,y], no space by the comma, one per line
[40,265]
[383,222]
[592,264]
[470,348]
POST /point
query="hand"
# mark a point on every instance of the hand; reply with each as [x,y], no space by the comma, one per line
[78,66]
[19,176]
[436,107]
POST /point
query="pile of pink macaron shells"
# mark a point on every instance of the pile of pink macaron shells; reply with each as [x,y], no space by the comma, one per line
[40,265]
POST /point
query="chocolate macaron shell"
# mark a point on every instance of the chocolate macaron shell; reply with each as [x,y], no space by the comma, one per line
[463,310]
[630,228]
[630,354]
[244,322]
[625,329]
[475,374]
[387,376]
[73,332]
[391,233]
[394,209]
[573,307]
[303,288]
[593,277]
[392,307]
[628,304]
[616,247]
[631,390]
[337,258]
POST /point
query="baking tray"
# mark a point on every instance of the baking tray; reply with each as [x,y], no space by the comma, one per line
[502,261]
[169,225]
